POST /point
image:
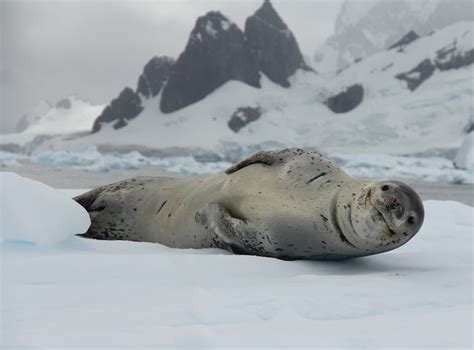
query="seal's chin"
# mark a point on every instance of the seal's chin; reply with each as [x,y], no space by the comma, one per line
[382,214]
[370,223]
[368,227]
[381,218]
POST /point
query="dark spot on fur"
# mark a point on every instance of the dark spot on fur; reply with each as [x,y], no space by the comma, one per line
[161,207]
[315,177]
[323,217]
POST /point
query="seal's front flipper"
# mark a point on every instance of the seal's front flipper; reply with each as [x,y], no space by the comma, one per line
[237,235]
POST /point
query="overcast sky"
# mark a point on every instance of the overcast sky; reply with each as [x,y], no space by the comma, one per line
[93,48]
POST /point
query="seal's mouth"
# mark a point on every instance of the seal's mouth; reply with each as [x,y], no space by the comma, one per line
[379,214]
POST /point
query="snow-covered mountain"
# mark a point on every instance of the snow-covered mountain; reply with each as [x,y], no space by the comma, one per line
[33,116]
[67,116]
[217,52]
[412,99]
[365,27]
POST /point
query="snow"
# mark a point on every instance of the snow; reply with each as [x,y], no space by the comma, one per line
[465,154]
[88,293]
[210,29]
[225,24]
[365,27]
[78,118]
[33,115]
[34,213]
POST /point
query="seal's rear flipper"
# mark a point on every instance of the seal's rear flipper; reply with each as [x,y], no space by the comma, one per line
[237,235]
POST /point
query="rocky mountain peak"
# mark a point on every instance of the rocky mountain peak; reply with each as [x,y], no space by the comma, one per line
[210,27]
[155,73]
[268,14]
[217,51]
[408,38]
[125,107]
[277,50]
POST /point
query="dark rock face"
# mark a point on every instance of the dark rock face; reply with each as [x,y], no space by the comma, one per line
[449,57]
[347,100]
[64,104]
[243,116]
[155,73]
[277,50]
[469,127]
[408,38]
[418,75]
[128,104]
[446,58]
[217,51]
[125,107]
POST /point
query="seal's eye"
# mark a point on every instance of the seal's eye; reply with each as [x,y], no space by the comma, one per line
[411,220]
[385,188]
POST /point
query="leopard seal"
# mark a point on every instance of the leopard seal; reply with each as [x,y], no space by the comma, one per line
[288,204]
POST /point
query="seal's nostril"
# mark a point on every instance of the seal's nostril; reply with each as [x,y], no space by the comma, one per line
[411,220]
[385,188]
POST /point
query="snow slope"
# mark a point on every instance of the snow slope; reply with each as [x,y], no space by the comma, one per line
[363,28]
[391,119]
[74,115]
[32,116]
[465,155]
[88,293]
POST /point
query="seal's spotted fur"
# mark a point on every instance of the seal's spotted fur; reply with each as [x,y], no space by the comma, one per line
[289,204]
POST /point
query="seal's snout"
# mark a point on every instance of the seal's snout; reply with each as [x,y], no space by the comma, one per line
[399,205]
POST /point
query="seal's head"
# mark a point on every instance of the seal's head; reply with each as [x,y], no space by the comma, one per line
[385,215]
